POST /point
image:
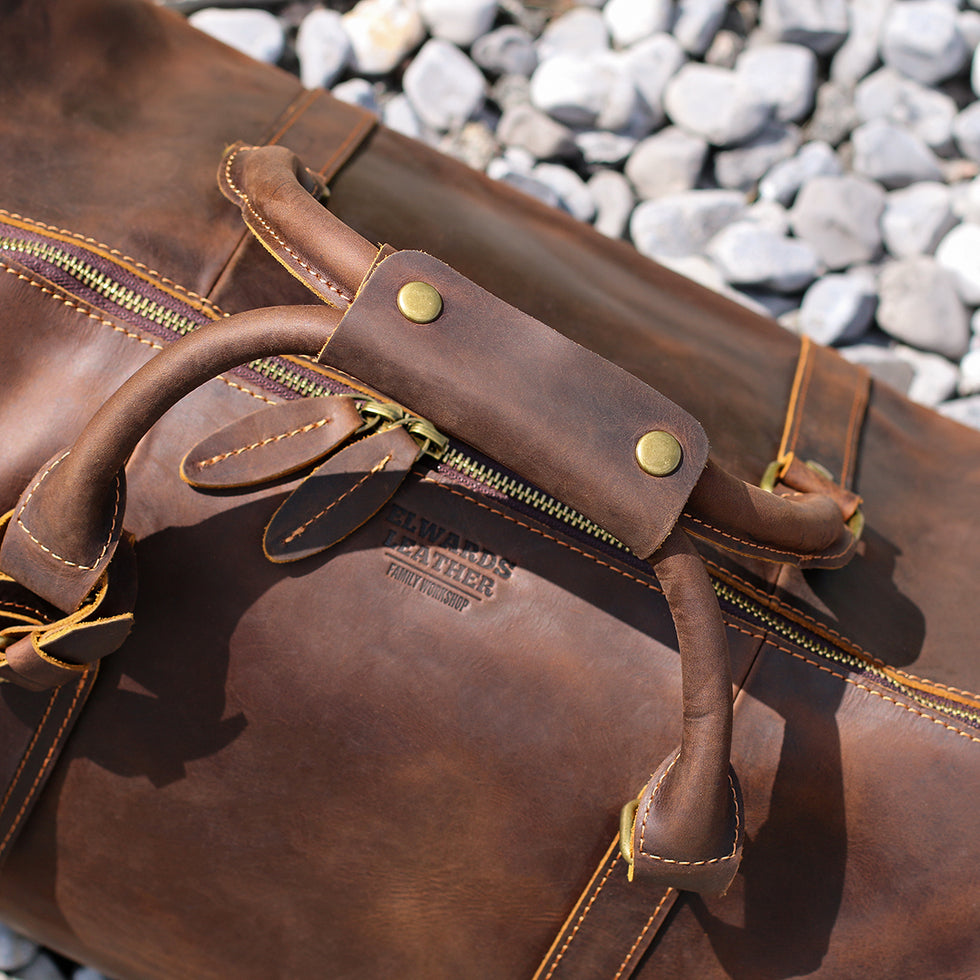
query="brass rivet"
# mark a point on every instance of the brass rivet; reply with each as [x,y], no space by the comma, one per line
[658,453]
[419,302]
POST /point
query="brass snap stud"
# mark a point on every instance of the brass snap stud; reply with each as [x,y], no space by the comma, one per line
[419,302]
[658,453]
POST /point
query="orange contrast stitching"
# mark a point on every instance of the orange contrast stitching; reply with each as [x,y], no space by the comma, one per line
[643,932]
[309,427]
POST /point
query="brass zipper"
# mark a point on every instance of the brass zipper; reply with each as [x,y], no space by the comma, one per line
[515,489]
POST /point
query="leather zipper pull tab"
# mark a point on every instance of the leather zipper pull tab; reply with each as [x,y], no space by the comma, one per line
[341,494]
[271,443]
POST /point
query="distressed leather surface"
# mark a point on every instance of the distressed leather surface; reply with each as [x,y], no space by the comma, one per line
[450,777]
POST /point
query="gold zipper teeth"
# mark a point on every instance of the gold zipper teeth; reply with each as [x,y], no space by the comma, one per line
[146,308]
[100,283]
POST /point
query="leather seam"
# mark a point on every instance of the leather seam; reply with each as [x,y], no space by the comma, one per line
[358,134]
[858,405]
[764,547]
[243,197]
[309,427]
[643,932]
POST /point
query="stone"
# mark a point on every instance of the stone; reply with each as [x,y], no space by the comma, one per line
[921,39]
[599,147]
[834,115]
[838,309]
[882,363]
[322,47]
[934,378]
[696,24]
[511,90]
[357,91]
[523,125]
[698,269]
[741,167]
[748,254]
[858,55]
[916,218]
[975,73]
[509,50]
[919,305]
[965,200]
[503,171]
[665,163]
[683,224]
[256,33]
[839,217]
[473,143]
[892,155]
[458,21]
[398,114]
[650,65]
[782,75]
[16,950]
[614,202]
[959,252]
[87,973]
[820,25]
[725,49]
[925,112]
[784,179]
[629,21]
[714,103]
[968,24]
[776,306]
[443,85]
[969,382]
[579,31]
[769,214]
[42,967]
[588,91]
[573,196]
[966,411]
[382,34]
[966,131]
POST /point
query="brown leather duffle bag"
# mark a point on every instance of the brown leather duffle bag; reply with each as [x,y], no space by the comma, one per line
[355,623]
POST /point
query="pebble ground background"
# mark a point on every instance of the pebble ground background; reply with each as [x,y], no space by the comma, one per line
[817,160]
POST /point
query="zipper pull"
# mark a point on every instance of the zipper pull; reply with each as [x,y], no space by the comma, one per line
[271,443]
[350,487]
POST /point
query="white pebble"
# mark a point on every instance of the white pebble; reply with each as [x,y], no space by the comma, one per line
[256,33]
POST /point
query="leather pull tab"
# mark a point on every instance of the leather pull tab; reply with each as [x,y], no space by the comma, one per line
[271,443]
[340,495]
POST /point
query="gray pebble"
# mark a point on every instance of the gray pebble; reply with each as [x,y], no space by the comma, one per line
[715,103]
[782,75]
[696,24]
[683,224]
[834,115]
[42,967]
[650,65]
[591,91]
[87,973]
[924,112]
[524,182]
[919,305]
[579,31]
[382,34]
[921,39]
[629,21]
[935,378]
[892,155]
[966,131]
[742,166]
[256,33]
[916,218]
[838,309]
[322,47]
[959,252]
[703,271]
[814,159]
[443,85]
[817,24]
[458,21]
[975,73]
[769,214]
[509,50]
[776,306]
[473,143]
[666,163]
[968,22]
[748,254]
[882,363]
[523,125]
[511,90]
[965,200]
[725,49]
[839,216]
[358,91]
[858,55]
[599,147]
[573,196]
[614,202]
[15,950]
[969,383]
[398,114]
[966,411]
